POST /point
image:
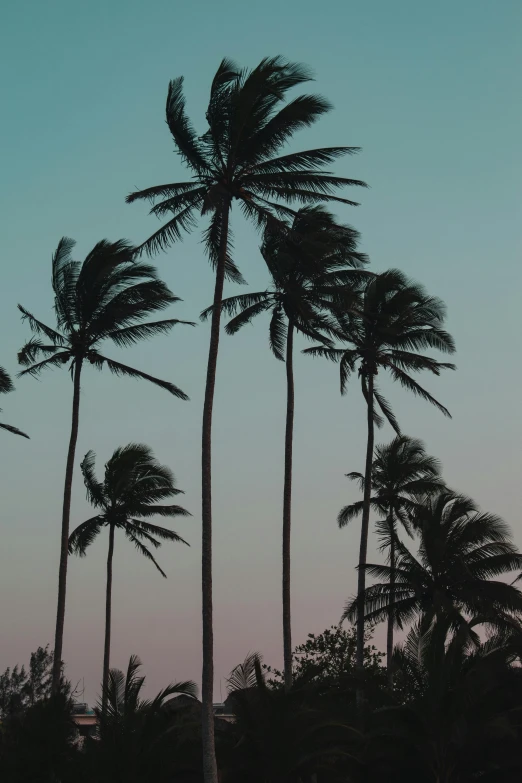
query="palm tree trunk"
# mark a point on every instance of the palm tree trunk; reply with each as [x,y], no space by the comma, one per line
[287,507]
[361,580]
[66,513]
[389,640]
[108,611]
[210,774]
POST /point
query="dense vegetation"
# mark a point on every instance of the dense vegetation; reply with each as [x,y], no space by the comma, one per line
[444,704]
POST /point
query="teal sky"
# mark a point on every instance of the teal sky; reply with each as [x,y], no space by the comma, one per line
[431,91]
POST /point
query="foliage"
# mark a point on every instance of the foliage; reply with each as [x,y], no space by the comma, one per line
[237,157]
[329,658]
[21,688]
[40,745]
[310,266]
[403,474]
[460,722]
[6,386]
[389,330]
[106,297]
[461,550]
[138,739]
[134,487]
[285,735]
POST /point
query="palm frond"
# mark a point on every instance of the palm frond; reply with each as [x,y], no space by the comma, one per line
[14,430]
[6,384]
[243,676]
[278,333]
[386,409]
[83,536]
[144,551]
[409,383]
[53,361]
[95,489]
[133,334]
[161,532]
[38,327]
[122,369]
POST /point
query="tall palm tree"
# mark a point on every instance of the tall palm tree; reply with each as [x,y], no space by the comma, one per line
[237,158]
[135,483]
[105,297]
[6,386]
[395,322]
[311,265]
[402,474]
[461,550]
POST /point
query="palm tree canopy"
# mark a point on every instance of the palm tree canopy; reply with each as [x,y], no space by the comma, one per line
[133,490]
[311,265]
[402,475]
[6,386]
[238,156]
[396,320]
[104,298]
[461,551]
[124,700]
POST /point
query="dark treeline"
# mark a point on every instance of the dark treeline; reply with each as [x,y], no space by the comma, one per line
[440,706]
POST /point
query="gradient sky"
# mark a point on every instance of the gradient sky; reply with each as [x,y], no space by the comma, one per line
[431,91]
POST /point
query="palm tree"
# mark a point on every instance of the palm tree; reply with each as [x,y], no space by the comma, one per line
[396,320]
[237,158]
[134,484]
[6,386]
[310,266]
[135,739]
[402,474]
[105,297]
[463,699]
[461,549]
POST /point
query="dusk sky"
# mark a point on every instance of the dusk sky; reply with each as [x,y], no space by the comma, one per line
[431,92]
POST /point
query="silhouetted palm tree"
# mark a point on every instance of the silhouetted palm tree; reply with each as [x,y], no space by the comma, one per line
[460,550]
[135,483]
[463,700]
[104,298]
[6,386]
[311,265]
[237,159]
[402,475]
[396,319]
[135,739]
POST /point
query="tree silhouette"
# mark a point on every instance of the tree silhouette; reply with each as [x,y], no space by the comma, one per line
[105,297]
[135,484]
[311,265]
[395,321]
[460,550]
[402,475]
[237,158]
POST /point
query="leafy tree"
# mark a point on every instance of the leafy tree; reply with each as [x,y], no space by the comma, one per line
[40,744]
[395,322]
[237,158]
[104,298]
[21,688]
[329,658]
[461,550]
[310,266]
[402,475]
[136,738]
[6,386]
[134,487]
